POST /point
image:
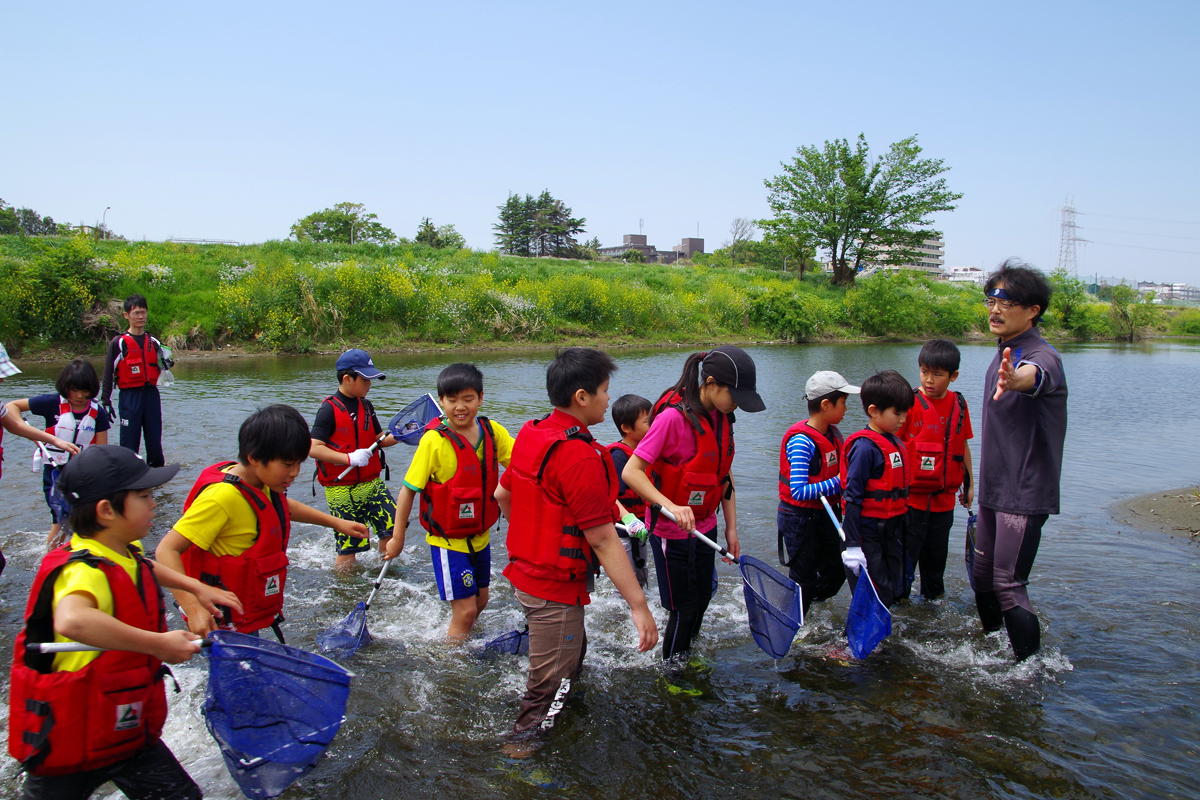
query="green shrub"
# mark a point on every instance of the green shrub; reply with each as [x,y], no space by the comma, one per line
[1187,323]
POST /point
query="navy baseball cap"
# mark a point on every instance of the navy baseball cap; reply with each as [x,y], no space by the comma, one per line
[360,362]
[733,367]
[105,469]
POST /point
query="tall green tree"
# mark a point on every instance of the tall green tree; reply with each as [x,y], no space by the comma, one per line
[538,226]
[441,237]
[1132,313]
[345,222]
[859,208]
[26,221]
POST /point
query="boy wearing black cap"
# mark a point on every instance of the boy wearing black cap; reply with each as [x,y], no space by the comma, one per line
[345,444]
[809,461]
[79,719]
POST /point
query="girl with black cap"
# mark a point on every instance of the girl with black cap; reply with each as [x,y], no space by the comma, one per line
[683,464]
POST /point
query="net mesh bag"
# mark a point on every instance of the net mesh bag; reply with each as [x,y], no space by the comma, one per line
[773,605]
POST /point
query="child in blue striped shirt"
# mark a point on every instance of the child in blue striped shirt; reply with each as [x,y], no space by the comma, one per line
[809,459]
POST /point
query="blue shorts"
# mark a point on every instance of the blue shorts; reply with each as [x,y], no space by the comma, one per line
[461,575]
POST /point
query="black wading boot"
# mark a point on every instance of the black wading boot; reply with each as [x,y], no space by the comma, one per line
[1024,632]
[990,615]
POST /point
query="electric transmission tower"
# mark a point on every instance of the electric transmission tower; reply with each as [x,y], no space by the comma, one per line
[1068,252]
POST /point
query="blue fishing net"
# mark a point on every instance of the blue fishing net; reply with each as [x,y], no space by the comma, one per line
[272,709]
[513,643]
[348,635]
[868,621]
[773,604]
[59,506]
[408,425]
[971,520]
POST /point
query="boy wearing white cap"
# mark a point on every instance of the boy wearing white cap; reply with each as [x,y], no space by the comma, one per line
[809,459]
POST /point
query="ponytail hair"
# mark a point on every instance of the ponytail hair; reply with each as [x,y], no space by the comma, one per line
[688,386]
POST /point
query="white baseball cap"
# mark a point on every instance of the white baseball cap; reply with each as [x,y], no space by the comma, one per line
[7,367]
[826,381]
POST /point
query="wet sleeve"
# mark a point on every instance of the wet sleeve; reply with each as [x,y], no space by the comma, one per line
[1049,368]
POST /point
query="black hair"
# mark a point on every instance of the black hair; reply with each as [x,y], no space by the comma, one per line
[341,373]
[940,354]
[814,405]
[688,385]
[78,374]
[627,409]
[1024,284]
[83,519]
[457,378]
[135,301]
[887,389]
[576,368]
[274,433]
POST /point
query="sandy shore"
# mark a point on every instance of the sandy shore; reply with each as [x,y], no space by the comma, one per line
[1175,512]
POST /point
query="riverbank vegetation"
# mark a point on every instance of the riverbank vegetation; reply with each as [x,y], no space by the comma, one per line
[304,296]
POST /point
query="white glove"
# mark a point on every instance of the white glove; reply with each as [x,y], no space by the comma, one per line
[854,559]
[360,458]
[634,527]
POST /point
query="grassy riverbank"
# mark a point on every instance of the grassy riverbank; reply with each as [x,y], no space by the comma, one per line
[294,297]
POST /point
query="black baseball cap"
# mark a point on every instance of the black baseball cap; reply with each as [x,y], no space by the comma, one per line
[732,366]
[105,469]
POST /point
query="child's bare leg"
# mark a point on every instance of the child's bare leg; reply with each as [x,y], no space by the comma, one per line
[344,561]
[463,612]
[52,537]
[481,601]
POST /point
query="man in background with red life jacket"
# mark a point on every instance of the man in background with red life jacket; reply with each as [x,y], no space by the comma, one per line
[810,462]
[936,431]
[133,362]
[237,521]
[875,476]
[455,472]
[560,494]
[78,720]
[343,434]
[631,415]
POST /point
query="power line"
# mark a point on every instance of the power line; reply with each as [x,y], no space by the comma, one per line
[1142,219]
[1139,233]
[1139,247]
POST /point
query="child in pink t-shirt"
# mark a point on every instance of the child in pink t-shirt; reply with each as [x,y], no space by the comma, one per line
[683,465]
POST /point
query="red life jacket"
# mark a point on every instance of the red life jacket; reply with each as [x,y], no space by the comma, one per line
[701,482]
[937,461]
[828,466]
[258,575]
[466,504]
[350,435]
[545,542]
[64,722]
[630,500]
[886,496]
[134,367]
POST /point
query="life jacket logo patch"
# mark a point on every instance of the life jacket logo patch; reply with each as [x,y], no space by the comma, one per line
[897,461]
[696,499]
[129,717]
[466,511]
[272,586]
[831,458]
[928,463]
[135,370]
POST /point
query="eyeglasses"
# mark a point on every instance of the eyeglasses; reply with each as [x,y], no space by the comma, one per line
[1004,305]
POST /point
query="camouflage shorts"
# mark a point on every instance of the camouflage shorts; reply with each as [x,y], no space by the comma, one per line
[369,503]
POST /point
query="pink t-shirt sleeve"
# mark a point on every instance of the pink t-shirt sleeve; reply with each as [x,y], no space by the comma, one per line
[672,438]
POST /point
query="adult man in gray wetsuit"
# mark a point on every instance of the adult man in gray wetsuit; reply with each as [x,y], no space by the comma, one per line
[1020,461]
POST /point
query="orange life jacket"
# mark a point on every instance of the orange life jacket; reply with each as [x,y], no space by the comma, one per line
[466,504]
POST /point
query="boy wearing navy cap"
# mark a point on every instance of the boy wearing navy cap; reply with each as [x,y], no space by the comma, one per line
[80,719]
[346,442]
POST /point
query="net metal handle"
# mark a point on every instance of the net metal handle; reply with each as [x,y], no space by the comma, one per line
[833,517]
[704,539]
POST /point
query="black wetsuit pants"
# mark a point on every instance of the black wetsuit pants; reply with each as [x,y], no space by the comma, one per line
[687,580]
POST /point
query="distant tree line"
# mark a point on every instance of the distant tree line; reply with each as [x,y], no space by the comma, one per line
[539,226]
[27,222]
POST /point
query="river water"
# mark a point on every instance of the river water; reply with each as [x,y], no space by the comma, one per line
[1109,709]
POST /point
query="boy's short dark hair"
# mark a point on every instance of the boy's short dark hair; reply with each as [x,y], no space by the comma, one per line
[83,519]
[457,378]
[887,389]
[576,368]
[627,409]
[1023,283]
[940,354]
[814,405]
[78,374]
[135,301]
[342,373]
[274,433]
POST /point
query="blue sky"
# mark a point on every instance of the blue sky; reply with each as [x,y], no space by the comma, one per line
[233,120]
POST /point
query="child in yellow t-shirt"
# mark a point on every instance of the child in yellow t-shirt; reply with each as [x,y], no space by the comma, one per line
[455,471]
[104,723]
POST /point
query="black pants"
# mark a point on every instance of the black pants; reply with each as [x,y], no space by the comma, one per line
[141,417]
[882,543]
[926,544]
[809,546]
[687,580]
[151,774]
